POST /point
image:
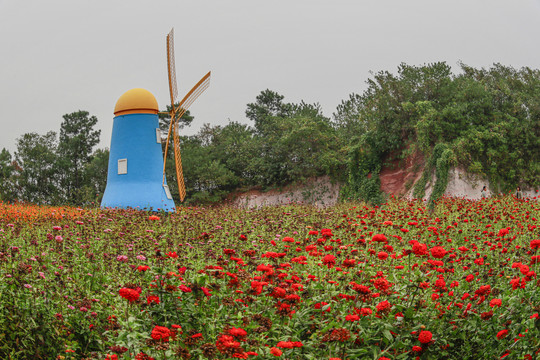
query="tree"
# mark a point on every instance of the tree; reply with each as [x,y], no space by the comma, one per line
[348,117]
[7,177]
[205,176]
[95,178]
[233,145]
[292,142]
[165,120]
[37,178]
[268,105]
[77,139]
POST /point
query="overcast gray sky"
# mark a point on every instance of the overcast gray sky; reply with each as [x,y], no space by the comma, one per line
[60,56]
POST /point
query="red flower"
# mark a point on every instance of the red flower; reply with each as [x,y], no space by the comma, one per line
[383,305]
[382,255]
[129,294]
[143,356]
[329,260]
[535,244]
[142,268]
[184,288]
[237,332]
[425,337]
[275,351]
[153,217]
[381,284]
[484,290]
[495,302]
[360,288]
[326,232]
[501,334]
[352,317]
[438,252]
[226,342]
[379,238]
[206,291]
[365,311]
[152,299]
[160,333]
[348,263]
[285,344]
[503,232]
[419,249]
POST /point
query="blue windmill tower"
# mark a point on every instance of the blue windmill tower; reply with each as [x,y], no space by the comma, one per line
[135,172]
[136,176]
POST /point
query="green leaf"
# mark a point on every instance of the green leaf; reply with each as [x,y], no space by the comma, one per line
[388,335]
[409,314]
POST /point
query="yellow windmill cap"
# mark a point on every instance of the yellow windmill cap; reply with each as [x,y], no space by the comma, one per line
[136,101]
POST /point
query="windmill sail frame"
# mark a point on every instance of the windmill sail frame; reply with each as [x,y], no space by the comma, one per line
[177,111]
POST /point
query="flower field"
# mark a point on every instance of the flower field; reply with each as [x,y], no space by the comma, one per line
[291,282]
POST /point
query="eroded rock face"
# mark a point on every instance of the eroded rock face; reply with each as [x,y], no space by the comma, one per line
[399,177]
[319,192]
[463,185]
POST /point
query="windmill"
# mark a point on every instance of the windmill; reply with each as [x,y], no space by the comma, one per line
[176,112]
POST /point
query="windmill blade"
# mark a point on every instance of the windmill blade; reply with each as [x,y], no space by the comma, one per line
[193,94]
[171,69]
[176,114]
[178,111]
[171,125]
[178,162]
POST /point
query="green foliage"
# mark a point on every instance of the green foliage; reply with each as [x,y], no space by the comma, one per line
[295,148]
[490,119]
[19,337]
[289,143]
[95,178]
[438,165]
[442,168]
[77,139]
[268,105]
[7,177]
[454,120]
[37,164]
[363,168]
[165,120]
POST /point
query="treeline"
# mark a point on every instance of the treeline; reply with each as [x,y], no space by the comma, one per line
[56,168]
[484,120]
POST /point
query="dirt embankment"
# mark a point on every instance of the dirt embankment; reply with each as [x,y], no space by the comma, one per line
[397,178]
[319,192]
